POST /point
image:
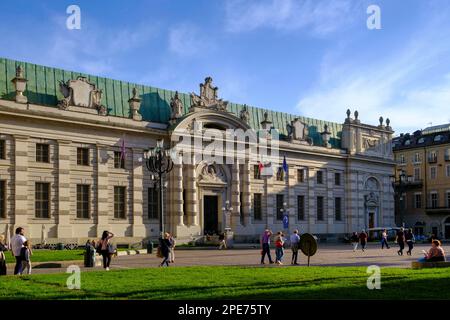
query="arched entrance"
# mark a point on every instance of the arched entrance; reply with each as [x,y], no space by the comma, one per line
[447,228]
[371,203]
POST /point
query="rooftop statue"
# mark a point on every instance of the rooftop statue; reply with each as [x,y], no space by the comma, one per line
[176,107]
[244,114]
[208,97]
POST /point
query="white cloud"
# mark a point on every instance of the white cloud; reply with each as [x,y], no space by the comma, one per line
[318,16]
[186,40]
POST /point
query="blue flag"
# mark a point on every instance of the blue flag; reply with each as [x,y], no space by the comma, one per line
[285,165]
[286,221]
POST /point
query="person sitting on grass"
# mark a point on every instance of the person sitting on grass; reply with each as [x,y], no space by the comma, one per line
[26,253]
[435,254]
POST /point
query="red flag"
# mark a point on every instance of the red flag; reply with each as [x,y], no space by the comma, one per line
[260,167]
[122,150]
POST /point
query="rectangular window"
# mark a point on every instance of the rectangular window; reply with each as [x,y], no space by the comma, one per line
[280,200]
[447,155]
[2,149]
[432,157]
[417,201]
[301,175]
[256,172]
[153,200]
[433,171]
[119,162]
[42,200]
[82,156]
[280,174]
[338,209]
[434,200]
[319,177]
[83,201]
[119,202]
[416,174]
[301,207]
[42,152]
[257,206]
[320,208]
[2,199]
[417,157]
[337,179]
[447,170]
[401,159]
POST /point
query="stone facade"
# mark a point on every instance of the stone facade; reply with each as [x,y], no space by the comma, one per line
[355,170]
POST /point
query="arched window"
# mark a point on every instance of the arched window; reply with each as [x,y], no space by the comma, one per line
[447,220]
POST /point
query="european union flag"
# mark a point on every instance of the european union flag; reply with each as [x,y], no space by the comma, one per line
[285,165]
[286,221]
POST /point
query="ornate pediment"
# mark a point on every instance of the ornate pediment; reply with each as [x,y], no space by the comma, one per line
[81,93]
[212,174]
[298,131]
[208,97]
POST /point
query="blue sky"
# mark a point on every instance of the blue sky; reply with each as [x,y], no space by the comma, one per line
[307,57]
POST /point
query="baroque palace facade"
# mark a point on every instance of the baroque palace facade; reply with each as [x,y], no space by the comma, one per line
[72,163]
[424,159]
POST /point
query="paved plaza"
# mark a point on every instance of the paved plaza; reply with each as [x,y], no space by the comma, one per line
[327,255]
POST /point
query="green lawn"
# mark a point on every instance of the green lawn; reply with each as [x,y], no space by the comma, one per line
[42,255]
[233,283]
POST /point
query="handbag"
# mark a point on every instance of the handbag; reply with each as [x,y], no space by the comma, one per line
[111,248]
[158,252]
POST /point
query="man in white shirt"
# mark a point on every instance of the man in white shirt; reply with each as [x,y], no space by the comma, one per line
[17,242]
[295,239]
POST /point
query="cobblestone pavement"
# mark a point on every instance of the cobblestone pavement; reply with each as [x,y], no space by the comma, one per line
[327,255]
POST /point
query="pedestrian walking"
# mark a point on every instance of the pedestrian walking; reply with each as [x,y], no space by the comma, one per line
[26,253]
[279,249]
[17,242]
[164,245]
[410,239]
[384,239]
[363,239]
[400,239]
[354,239]
[172,248]
[106,249]
[3,249]
[265,246]
[222,241]
[295,241]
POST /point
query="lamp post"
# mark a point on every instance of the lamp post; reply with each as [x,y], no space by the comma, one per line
[399,184]
[159,163]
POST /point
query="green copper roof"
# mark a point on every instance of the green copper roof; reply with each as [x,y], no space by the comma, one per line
[43,88]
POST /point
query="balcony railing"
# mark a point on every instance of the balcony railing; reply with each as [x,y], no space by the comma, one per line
[432,159]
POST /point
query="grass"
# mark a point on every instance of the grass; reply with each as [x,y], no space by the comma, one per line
[233,283]
[43,255]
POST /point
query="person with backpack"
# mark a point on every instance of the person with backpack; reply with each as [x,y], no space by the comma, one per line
[363,239]
[410,239]
[106,249]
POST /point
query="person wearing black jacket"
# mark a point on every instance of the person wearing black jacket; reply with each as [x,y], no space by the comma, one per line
[410,239]
[3,248]
[164,245]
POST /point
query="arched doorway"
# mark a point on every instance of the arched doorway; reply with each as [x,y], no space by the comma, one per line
[447,228]
[372,203]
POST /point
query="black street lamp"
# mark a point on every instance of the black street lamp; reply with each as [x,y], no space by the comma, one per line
[399,184]
[159,163]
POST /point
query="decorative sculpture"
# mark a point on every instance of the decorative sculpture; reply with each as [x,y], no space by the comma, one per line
[381,121]
[176,107]
[135,104]
[244,114]
[20,84]
[326,135]
[297,130]
[208,97]
[81,93]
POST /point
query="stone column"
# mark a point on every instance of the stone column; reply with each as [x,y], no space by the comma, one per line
[235,196]
[21,181]
[270,201]
[292,199]
[312,212]
[64,229]
[246,196]
[138,188]
[329,213]
[103,197]
[177,193]
[192,207]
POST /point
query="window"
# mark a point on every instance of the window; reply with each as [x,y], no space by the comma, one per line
[416,174]
[119,162]
[319,177]
[320,208]
[301,175]
[42,154]
[256,172]
[401,159]
[417,157]
[447,155]
[447,170]
[438,138]
[421,140]
[448,199]
[337,179]
[280,200]
[119,202]
[2,199]
[338,209]
[433,171]
[432,157]
[417,201]
[153,201]
[257,206]
[434,200]
[301,207]
[83,201]
[280,174]
[2,149]
[42,200]
[82,156]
